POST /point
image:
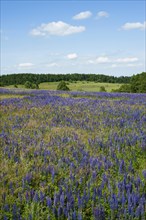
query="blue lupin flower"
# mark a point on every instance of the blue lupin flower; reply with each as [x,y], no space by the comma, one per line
[42,196]
[36,197]
[55,200]
[55,212]
[144,173]
[59,211]
[6,208]
[80,216]
[5,217]
[49,202]
[30,217]
[74,215]
[138,212]
[62,199]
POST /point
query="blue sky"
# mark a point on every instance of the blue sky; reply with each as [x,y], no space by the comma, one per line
[106,37]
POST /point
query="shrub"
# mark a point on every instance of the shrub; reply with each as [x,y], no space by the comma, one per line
[29,85]
[63,86]
[102,89]
[123,88]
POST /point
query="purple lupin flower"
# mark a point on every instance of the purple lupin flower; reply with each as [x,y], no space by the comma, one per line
[49,202]
[62,199]
[138,212]
[121,167]
[36,197]
[42,196]
[59,211]
[27,196]
[6,208]
[55,212]
[74,217]
[30,217]
[55,200]
[80,216]
[144,173]
[5,217]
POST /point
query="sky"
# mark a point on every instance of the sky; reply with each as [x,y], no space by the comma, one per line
[82,36]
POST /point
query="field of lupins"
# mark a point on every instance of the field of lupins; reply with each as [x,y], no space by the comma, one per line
[72,156]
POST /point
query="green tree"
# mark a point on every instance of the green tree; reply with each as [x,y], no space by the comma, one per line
[28,85]
[138,83]
[123,88]
[63,86]
[102,89]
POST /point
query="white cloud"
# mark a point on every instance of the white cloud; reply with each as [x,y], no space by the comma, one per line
[127,60]
[134,64]
[52,65]
[90,62]
[102,59]
[99,60]
[82,15]
[132,26]
[72,56]
[56,28]
[25,65]
[114,65]
[115,62]
[102,14]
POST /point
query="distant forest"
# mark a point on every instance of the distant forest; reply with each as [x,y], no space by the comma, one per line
[133,84]
[15,79]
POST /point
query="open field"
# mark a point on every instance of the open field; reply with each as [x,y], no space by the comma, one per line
[82,86]
[72,155]
[78,86]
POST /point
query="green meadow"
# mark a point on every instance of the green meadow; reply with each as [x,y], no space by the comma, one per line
[77,86]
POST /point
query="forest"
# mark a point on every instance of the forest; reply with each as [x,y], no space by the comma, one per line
[21,78]
[133,84]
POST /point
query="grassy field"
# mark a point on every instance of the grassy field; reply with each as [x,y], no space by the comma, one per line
[10,96]
[72,155]
[82,86]
[78,86]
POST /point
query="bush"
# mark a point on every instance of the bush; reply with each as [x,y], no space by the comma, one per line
[29,85]
[63,86]
[102,89]
[123,88]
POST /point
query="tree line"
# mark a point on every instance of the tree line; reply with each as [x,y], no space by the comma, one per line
[22,78]
[133,84]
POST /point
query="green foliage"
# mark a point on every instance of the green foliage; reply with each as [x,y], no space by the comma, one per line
[102,89]
[123,88]
[29,85]
[138,83]
[134,84]
[18,79]
[63,86]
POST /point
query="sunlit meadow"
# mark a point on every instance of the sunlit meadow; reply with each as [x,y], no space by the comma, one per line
[72,155]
